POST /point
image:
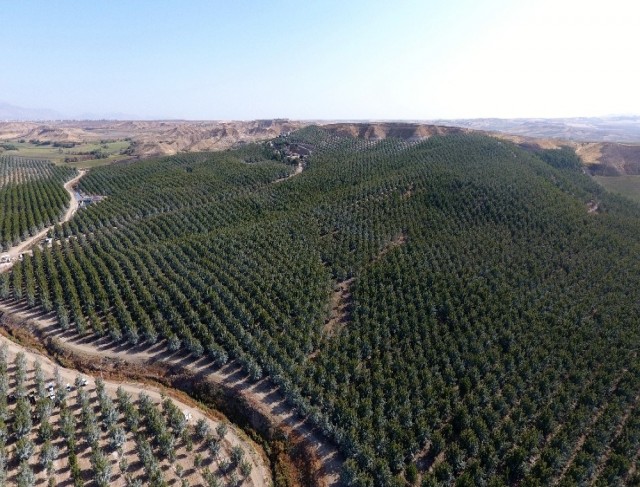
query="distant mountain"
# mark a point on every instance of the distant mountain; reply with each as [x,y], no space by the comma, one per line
[13,113]
[107,116]
[10,112]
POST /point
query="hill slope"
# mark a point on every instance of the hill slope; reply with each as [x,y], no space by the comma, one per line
[151,138]
[448,306]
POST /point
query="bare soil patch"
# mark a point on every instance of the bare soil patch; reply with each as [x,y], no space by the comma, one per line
[340,308]
[397,241]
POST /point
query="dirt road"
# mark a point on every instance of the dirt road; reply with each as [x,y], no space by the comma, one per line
[298,170]
[14,252]
[260,476]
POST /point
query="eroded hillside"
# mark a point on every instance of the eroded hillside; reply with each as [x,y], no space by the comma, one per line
[151,138]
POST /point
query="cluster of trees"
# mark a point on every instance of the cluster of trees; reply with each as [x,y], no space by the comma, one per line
[43,421]
[32,197]
[18,170]
[484,300]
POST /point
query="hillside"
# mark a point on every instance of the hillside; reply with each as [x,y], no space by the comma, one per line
[411,132]
[62,428]
[124,140]
[151,138]
[443,309]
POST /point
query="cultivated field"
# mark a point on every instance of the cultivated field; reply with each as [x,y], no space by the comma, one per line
[91,143]
[72,154]
[63,428]
[439,309]
[32,197]
[120,434]
[628,186]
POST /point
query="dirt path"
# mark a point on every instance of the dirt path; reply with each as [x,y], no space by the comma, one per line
[14,252]
[263,397]
[298,170]
[260,474]
[340,308]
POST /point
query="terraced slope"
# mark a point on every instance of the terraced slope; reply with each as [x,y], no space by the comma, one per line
[454,309]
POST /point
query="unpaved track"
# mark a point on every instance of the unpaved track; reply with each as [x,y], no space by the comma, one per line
[14,252]
[298,170]
[263,396]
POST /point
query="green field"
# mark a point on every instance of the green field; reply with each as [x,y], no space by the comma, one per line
[628,186]
[112,150]
[32,197]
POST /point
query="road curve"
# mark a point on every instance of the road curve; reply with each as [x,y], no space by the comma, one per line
[15,251]
[260,476]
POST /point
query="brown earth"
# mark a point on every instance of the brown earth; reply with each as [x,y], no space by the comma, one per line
[152,138]
[340,308]
[161,138]
[617,160]
[383,130]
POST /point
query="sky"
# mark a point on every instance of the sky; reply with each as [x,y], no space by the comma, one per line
[322,59]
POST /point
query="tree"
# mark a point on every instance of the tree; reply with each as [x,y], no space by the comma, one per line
[24,448]
[117,438]
[411,473]
[22,418]
[210,478]
[25,477]
[39,379]
[202,429]
[3,466]
[222,429]
[245,468]
[123,465]
[237,454]
[101,468]
[166,443]
[48,453]
[515,463]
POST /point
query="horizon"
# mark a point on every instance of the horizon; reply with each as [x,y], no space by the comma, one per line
[329,61]
[311,120]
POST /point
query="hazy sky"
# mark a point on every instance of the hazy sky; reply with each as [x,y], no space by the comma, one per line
[346,59]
